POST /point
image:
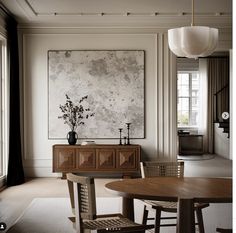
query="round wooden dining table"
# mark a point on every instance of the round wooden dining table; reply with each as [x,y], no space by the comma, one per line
[186,191]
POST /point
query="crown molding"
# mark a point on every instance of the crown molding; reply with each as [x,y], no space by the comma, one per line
[31,17]
[129,21]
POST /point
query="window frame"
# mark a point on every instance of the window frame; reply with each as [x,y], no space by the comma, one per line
[4,110]
[189,97]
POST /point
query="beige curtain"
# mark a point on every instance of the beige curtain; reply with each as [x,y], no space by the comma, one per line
[218,79]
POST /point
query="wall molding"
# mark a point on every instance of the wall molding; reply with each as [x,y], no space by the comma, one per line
[163,143]
[166,99]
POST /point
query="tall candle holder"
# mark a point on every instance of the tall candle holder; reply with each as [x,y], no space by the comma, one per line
[128,127]
[120,129]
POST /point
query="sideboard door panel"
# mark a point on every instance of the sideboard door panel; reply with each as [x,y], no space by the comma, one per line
[86,158]
[65,159]
[106,159]
[126,159]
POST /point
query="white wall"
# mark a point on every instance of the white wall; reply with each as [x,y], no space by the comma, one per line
[160,88]
[37,147]
[221,142]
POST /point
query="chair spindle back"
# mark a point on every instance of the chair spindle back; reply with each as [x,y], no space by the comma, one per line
[82,194]
[155,169]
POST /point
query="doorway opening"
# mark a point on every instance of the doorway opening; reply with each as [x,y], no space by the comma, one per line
[203,101]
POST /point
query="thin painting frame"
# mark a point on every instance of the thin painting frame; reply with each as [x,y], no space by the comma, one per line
[114,81]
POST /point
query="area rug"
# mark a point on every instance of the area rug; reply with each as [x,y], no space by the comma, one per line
[50,215]
[45,215]
[196,157]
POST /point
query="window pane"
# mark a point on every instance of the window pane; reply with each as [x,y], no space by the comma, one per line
[183,111]
[3,107]
[194,110]
[183,79]
[183,118]
[195,93]
[188,98]
[183,84]
[184,90]
[1,112]
[194,118]
[195,103]
[183,104]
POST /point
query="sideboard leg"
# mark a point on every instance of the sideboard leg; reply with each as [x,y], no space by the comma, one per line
[126,176]
[63,177]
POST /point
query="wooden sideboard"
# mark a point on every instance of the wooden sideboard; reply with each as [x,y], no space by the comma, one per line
[190,144]
[122,159]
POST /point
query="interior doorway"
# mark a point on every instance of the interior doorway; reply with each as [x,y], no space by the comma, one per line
[203,105]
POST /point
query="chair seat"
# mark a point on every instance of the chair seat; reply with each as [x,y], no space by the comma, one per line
[114,223]
[171,206]
[109,223]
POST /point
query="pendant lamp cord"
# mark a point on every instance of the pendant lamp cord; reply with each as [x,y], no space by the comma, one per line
[192,24]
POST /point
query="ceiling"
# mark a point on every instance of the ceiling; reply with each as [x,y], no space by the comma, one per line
[117,13]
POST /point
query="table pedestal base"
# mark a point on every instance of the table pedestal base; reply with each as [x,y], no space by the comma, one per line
[128,208]
[186,222]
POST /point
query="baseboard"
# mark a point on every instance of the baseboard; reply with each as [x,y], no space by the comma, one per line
[40,172]
[3,182]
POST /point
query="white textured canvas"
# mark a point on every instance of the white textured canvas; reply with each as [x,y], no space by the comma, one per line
[114,83]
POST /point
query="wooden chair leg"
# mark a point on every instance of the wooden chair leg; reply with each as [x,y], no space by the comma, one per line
[157,220]
[145,216]
[200,220]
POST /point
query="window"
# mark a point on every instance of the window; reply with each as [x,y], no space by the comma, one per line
[3,110]
[188,98]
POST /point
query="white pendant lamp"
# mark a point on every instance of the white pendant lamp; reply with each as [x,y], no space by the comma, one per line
[193,41]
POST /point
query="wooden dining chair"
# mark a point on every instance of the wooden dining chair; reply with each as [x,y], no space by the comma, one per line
[85,219]
[155,169]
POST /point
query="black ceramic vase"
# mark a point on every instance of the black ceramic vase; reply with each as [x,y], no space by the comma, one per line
[72,137]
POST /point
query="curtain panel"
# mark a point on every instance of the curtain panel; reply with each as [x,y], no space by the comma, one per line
[15,174]
[218,81]
[214,72]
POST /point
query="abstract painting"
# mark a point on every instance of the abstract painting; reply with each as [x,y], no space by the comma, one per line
[114,83]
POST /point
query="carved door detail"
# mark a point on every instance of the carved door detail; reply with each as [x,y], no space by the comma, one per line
[126,158]
[66,159]
[86,158]
[105,158]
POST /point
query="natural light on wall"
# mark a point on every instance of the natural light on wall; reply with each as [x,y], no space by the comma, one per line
[193,41]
